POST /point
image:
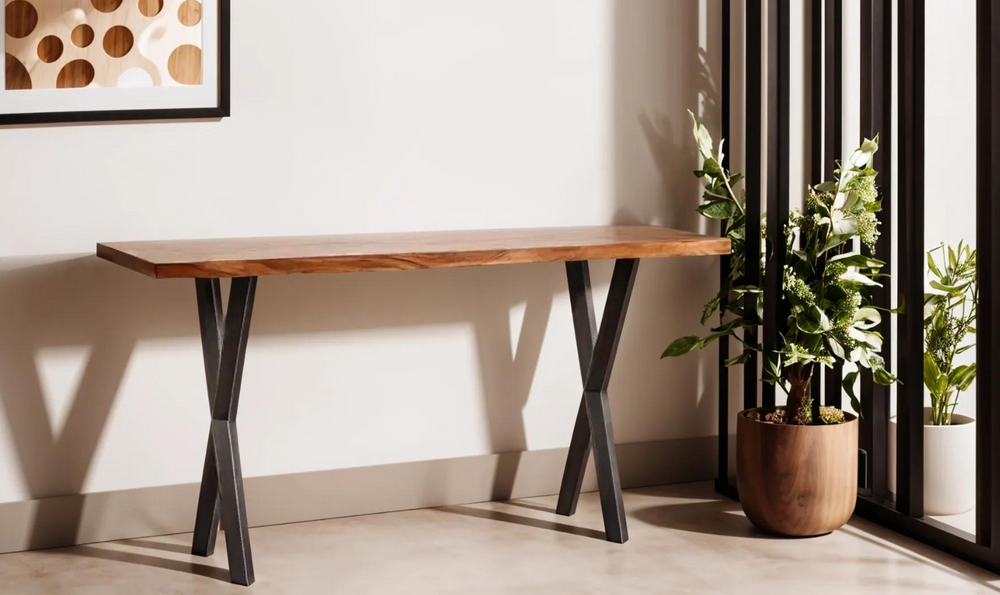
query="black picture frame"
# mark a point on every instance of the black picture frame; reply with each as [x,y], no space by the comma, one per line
[222,110]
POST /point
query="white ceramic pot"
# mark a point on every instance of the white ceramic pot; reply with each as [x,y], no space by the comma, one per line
[949,464]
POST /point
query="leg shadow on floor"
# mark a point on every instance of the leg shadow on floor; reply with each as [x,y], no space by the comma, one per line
[712,517]
[506,517]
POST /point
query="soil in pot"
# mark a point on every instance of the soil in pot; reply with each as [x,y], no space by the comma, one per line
[796,480]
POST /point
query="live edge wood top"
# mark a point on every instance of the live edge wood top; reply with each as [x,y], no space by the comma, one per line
[249,257]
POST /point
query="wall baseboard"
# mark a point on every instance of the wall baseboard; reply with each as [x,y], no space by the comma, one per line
[278,499]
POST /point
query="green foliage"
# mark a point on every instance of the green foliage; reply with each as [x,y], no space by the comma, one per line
[824,282]
[949,316]
[720,201]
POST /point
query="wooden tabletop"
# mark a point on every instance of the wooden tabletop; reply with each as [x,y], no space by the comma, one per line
[247,257]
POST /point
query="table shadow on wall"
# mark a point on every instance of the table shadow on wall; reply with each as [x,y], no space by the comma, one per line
[51,302]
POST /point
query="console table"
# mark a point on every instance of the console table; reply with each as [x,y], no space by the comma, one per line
[224,338]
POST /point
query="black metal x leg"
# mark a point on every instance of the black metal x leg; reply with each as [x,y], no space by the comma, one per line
[593,421]
[224,348]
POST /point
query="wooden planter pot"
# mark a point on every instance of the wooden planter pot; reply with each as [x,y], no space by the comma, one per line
[797,481]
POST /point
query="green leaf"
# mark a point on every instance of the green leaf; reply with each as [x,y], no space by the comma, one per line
[682,346]
[848,386]
[882,377]
[710,308]
[962,376]
[813,321]
[931,373]
[712,167]
[859,278]
[836,348]
[932,266]
[843,226]
[720,209]
[868,316]
[856,259]
[702,136]
[950,289]
[740,359]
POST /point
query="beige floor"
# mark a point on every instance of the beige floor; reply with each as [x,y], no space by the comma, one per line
[684,539]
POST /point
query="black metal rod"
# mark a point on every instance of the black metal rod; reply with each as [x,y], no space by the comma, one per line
[816,144]
[876,118]
[775,309]
[606,463]
[223,472]
[210,320]
[606,346]
[929,530]
[754,175]
[833,141]
[582,306]
[722,464]
[597,375]
[988,257]
[910,402]
[596,397]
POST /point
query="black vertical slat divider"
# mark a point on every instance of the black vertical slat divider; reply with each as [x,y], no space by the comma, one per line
[876,118]
[754,133]
[910,402]
[905,516]
[833,138]
[722,478]
[775,309]
[816,140]
[988,257]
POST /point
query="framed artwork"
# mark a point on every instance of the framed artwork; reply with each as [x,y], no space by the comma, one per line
[104,60]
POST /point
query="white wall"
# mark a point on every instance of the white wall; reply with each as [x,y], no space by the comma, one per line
[383,115]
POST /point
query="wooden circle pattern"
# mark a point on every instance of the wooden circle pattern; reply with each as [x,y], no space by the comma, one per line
[118,41]
[106,5]
[75,74]
[185,65]
[82,36]
[150,8]
[189,13]
[17,75]
[36,38]
[50,49]
[20,19]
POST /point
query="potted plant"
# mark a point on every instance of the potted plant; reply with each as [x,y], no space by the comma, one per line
[949,318]
[797,475]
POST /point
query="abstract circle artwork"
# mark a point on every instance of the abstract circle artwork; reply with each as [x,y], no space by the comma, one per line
[150,8]
[82,36]
[106,5]
[17,76]
[20,18]
[189,14]
[185,65]
[118,41]
[75,74]
[50,49]
[50,44]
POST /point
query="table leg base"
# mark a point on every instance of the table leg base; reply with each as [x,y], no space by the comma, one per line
[593,428]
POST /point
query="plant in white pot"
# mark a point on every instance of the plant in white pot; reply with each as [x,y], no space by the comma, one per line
[796,473]
[949,438]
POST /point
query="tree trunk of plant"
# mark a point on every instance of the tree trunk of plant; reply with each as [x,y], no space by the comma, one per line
[798,409]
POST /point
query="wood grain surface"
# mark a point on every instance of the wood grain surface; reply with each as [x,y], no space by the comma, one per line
[797,480]
[243,257]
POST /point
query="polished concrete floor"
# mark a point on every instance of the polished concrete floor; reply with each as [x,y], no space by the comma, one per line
[684,539]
